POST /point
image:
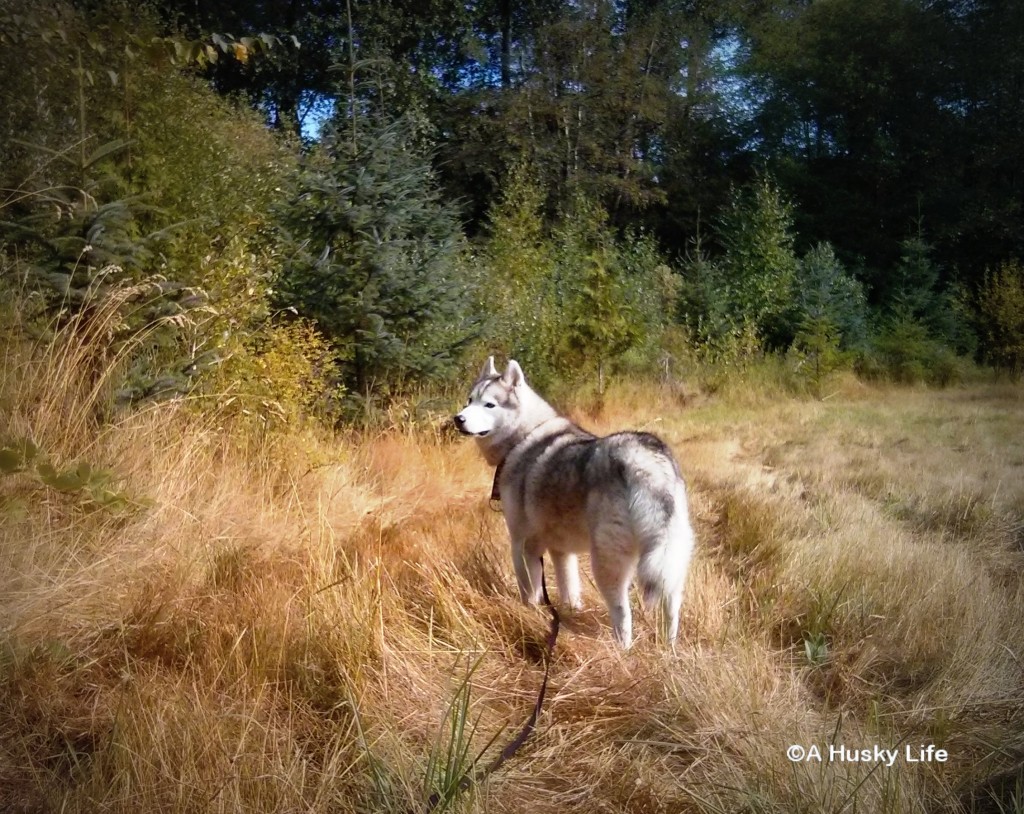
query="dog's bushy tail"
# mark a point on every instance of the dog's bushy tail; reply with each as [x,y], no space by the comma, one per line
[661,571]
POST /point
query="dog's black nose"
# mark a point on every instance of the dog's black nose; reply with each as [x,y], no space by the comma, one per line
[459,420]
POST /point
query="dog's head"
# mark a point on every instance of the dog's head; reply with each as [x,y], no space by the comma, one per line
[492,401]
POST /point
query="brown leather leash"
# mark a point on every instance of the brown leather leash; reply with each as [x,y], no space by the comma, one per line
[474,774]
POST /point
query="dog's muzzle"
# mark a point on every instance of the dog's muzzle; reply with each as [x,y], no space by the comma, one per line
[460,424]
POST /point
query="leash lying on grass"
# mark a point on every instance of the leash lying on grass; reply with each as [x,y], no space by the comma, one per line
[475,775]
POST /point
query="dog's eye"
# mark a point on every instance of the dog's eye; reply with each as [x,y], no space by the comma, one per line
[468,402]
[489,405]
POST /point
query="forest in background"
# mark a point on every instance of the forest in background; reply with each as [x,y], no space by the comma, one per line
[320,206]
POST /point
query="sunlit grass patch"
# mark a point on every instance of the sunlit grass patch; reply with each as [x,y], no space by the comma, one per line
[306,622]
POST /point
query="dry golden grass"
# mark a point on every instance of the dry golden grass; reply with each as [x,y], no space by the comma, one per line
[283,624]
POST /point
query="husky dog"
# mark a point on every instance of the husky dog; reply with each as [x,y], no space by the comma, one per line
[565,491]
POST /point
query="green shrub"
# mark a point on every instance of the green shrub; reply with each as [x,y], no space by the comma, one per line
[904,351]
[137,187]
[999,310]
[816,352]
[91,486]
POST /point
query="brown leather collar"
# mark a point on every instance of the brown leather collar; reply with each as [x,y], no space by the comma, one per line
[495,488]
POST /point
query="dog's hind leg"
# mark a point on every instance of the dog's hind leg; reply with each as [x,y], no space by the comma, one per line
[567,575]
[662,576]
[614,562]
[667,548]
[670,605]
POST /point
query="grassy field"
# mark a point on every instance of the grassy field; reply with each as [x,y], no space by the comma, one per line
[301,623]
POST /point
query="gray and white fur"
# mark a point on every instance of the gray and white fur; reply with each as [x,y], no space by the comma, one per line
[565,491]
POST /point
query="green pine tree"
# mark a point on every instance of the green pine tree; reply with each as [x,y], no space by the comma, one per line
[757,273]
[375,255]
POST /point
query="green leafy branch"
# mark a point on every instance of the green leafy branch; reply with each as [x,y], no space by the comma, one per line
[19,30]
[95,486]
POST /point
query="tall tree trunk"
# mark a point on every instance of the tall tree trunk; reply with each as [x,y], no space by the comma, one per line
[351,74]
[505,9]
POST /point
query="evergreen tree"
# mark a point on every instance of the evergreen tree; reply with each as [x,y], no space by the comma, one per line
[614,291]
[520,296]
[826,294]
[919,330]
[374,255]
[915,293]
[832,312]
[756,275]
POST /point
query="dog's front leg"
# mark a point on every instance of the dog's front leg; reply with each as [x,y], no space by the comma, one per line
[529,569]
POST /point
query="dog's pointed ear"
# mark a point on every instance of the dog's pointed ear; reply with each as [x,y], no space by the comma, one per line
[513,375]
[489,371]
